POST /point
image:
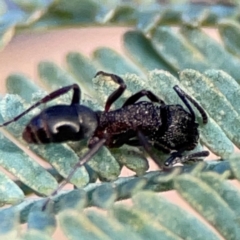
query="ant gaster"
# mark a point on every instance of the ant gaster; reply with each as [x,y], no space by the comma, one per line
[168,128]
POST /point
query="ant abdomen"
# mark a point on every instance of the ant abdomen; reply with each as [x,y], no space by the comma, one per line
[61,123]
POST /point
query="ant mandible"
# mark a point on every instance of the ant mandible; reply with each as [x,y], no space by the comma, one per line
[168,128]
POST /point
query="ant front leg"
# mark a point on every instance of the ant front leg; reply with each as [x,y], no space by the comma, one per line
[176,157]
[150,95]
[117,93]
[59,92]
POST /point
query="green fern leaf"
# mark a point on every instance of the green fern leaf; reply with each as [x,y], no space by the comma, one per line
[156,52]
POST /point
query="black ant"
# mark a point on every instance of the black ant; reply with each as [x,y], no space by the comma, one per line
[168,128]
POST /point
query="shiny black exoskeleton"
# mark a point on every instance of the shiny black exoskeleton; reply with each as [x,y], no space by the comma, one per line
[153,123]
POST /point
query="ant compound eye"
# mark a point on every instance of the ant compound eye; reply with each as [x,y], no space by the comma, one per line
[167,164]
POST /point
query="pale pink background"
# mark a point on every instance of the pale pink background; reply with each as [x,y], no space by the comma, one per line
[25,51]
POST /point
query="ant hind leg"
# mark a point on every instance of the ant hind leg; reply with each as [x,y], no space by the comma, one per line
[53,95]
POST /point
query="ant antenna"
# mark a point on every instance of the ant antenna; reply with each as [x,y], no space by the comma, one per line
[183,95]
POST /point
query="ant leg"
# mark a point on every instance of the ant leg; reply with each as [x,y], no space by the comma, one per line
[133,142]
[122,139]
[177,157]
[87,156]
[147,147]
[184,96]
[117,93]
[161,148]
[135,97]
[75,99]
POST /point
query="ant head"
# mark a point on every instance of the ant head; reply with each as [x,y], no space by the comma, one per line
[61,123]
